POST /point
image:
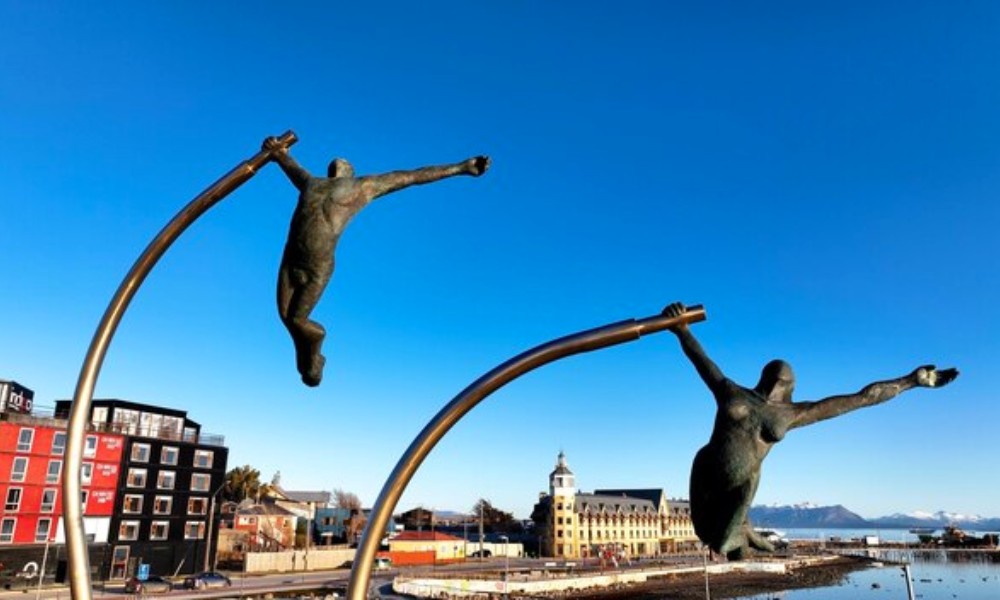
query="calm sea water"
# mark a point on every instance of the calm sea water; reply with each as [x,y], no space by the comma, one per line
[888,535]
[935,574]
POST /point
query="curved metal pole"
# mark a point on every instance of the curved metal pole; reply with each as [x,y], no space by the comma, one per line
[76,546]
[467,399]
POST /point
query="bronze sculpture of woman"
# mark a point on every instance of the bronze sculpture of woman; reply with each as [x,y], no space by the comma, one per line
[748,422]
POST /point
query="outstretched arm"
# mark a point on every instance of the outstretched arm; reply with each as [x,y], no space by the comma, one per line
[380,185]
[708,370]
[807,413]
[293,170]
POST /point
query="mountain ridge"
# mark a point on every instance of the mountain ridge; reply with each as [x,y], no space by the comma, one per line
[808,515]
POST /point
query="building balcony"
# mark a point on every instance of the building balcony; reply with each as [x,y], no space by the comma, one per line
[46,418]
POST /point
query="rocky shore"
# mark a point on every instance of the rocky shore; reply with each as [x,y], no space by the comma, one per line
[691,586]
[725,580]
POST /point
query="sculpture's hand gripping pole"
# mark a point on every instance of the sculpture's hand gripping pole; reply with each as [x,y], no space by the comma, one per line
[585,341]
[76,546]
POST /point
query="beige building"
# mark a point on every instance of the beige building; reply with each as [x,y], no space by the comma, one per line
[627,523]
[445,547]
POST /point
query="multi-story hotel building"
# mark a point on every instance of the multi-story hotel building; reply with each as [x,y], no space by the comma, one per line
[627,522]
[170,472]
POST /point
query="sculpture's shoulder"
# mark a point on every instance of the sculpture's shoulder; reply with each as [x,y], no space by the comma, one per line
[741,403]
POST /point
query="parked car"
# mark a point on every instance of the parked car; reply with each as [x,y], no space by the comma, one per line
[153,584]
[483,553]
[206,580]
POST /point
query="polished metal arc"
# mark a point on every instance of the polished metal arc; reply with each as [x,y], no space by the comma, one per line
[76,546]
[467,399]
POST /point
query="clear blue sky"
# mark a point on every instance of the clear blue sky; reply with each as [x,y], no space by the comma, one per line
[823,177]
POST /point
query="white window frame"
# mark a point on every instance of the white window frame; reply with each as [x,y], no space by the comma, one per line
[84,496]
[15,505]
[132,498]
[22,445]
[99,416]
[18,475]
[136,478]
[199,525]
[168,501]
[86,473]
[140,452]
[158,524]
[203,456]
[90,446]
[124,527]
[49,478]
[163,476]
[41,537]
[205,477]
[193,503]
[165,455]
[50,506]
[5,536]
[59,449]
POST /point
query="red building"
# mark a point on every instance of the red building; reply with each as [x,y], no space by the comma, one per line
[31,462]
[149,483]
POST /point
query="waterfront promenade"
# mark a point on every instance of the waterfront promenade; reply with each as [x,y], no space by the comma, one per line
[562,582]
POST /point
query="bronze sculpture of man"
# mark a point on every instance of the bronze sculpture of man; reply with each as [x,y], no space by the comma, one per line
[325,206]
[748,423]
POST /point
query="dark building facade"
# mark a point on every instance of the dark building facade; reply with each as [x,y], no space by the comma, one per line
[169,478]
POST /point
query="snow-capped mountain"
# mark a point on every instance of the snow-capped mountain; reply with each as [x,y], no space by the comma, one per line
[940,518]
[807,514]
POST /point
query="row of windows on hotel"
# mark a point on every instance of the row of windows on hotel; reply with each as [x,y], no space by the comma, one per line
[127,531]
[621,535]
[140,452]
[131,505]
[165,480]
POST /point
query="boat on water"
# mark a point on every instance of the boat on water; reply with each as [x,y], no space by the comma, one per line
[953,537]
[773,535]
[919,530]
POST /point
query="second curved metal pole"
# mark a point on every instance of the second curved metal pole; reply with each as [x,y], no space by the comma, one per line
[76,545]
[467,399]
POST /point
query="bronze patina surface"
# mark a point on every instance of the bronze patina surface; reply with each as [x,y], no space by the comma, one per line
[325,207]
[748,423]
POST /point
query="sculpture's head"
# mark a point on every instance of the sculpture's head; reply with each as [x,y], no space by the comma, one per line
[339,168]
[777,381]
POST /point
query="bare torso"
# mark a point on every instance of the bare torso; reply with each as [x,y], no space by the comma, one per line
[726,471]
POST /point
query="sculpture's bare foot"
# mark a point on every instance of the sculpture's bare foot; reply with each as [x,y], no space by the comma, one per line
[314,374]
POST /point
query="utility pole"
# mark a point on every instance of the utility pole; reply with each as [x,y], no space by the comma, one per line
[482,505]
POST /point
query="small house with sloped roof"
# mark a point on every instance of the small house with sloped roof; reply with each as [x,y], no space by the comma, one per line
[445,547]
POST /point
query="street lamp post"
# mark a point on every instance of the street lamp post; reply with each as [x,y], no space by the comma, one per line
[506,563]
[209,564]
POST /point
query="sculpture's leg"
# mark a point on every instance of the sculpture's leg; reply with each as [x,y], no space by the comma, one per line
[298,294]
[308,336]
